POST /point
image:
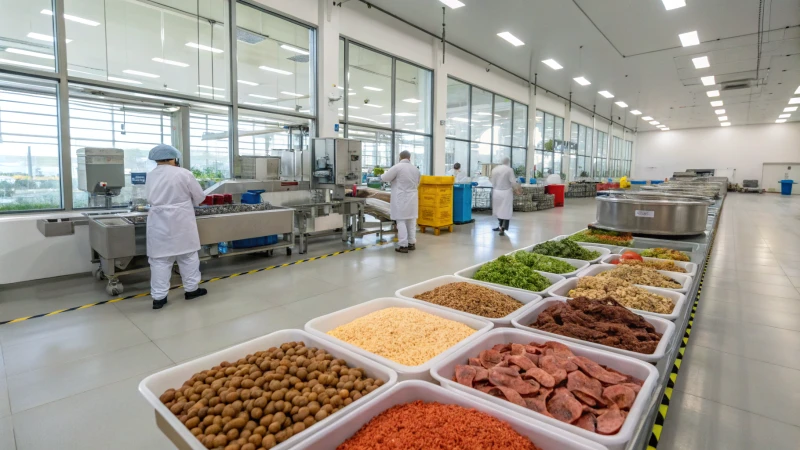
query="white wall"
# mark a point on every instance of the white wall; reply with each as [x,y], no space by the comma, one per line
[744,148]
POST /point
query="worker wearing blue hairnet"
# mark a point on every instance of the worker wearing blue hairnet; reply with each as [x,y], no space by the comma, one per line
[172,193]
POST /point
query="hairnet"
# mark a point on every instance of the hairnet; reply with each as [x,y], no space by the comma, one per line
[405,154]
[163,152]
[506,160]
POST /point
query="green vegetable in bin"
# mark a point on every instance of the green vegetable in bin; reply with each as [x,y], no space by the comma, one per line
[543,263]
[508,271]
[565,249]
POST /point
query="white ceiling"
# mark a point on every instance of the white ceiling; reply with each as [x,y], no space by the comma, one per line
[631,48]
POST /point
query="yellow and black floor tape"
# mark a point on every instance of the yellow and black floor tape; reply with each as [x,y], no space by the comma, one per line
[210,280]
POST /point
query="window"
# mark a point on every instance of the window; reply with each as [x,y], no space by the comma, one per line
[550,146]
[413,97]
[29,157]
[580,151]
[209,146]
[628,157]
[376,148]
[457,124]
[601,158]
[27,34]
[265,134]
[273,61]
[456,152]
[418,146]
[621,156]
[369,94]
[180,47]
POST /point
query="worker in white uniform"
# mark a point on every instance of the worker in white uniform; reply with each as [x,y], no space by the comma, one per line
[504,184]
[405,180]
[459,175]
[172,193]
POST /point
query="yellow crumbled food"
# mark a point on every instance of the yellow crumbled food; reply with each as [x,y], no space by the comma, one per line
[624,293]
[404,335]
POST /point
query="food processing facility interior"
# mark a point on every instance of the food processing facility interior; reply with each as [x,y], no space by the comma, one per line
[427,224]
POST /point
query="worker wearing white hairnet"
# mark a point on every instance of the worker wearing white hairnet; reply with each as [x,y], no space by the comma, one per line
[503,186]
[405,180]
[172,193]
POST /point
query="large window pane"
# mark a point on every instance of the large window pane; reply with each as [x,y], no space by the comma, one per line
[520,125]
[420,148]
[27,34]
[549,132]
[456,152]
[376,148]
[173,45]
[518,161]
[481,115]
[500,152]
[370,88]
[538,138]
[274,61]
[480,154]
[502,120]
[559,134]
[263,134]
[457,109]
[29,163]
[413,98]
[208,143]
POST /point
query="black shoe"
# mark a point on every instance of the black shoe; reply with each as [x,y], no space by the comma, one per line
[497,229]
[412,247]
[199,292]
[502,232]
[158,304]
[401,249]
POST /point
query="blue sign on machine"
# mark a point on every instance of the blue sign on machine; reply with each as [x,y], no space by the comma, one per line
[138,177]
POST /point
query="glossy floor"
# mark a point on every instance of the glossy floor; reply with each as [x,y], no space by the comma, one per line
[75,374]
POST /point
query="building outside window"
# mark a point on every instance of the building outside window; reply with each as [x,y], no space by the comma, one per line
[580,151]
[550,144]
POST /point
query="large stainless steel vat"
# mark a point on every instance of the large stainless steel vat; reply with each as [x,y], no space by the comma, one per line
[652,215]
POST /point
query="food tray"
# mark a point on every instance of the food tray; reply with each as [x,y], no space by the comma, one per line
[445,371]
[663,326]
[690,268]
[579,264]
[644,243]
[528,299]
[153,386]
[469,272]
[695,258]
[562,290]
[543,435]
[321,325]
[683,279]
[612,248]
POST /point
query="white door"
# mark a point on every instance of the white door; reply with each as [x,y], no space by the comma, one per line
[772,173]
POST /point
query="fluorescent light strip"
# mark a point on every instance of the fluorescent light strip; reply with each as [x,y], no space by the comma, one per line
[553,64]
[701,62]
[784,116]
[209,87]
[606,94]
[20,51]
[790,109]
[280,107]
[708,81]
[582,81]
[249,83]
[370,88]
[453,4]
[24,64]
[794,101]
[459,119]
[170,62]
[141,74]
[654,122]
[689,39]
[511,38]
[272,69]
[294,49]
[796,91]
[292,94]
[665,129]
[405,115]
[412,100]
[203,47]
[673,4]
[372,106]
[635,112]
[719,111]
[716,103]
[44,37]
[123,80]
[648,118]
[266,97]
[780,121]
[722,118]
[712,93]
[725,124]
[621,104]
[77,19]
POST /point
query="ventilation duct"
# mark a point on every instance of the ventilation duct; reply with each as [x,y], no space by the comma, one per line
[736,85]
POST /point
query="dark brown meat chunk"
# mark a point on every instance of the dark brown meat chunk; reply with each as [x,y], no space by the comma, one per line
[611,421]
[465,375]
[564,407]
[621,395]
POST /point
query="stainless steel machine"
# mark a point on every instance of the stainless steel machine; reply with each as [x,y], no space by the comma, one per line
[101,173]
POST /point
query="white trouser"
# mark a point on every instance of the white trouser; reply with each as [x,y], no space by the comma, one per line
[161,272]
[406,232]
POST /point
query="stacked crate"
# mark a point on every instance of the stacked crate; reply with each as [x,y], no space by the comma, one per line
[529,199]
[582,189]
[435,203]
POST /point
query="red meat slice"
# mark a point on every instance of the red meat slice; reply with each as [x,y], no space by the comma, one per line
[578,381]
[481,374]
[611,421]
[517,349]
[521,361]
[533,350]
[539,403]
[533,358]
[636,387]
[565,363]
[502,348]
[540,375]
[465,375]
[587,421]
[507,393]
[597,371]
[559,349]
[490,358]
[507,370]
[474,362]
[628,378]
[564,407]
[623,396]
[501,379]
[585,399]
[548,364]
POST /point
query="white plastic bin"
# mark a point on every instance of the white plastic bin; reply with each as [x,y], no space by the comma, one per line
[579,264]
[689,267]
[663,326]
[527,299]
[563,288]
[469,272]
[153,386]
[544,436]
[321,325]
[445,371]
[693,256]
[684,280]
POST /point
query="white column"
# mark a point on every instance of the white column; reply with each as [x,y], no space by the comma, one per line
[530,159]
[439,107]
[328,69]
[565,157]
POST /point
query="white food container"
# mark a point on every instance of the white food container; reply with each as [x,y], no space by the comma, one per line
[563,288]
[469,272]
[694,257]
[445,371]
[684,280]
[321,325]
[612,248]
[663,326]
[578,264]
[153,386]
[526,298]
[544,436]
[690,268]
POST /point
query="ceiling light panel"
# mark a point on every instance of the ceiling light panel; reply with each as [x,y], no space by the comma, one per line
[266,97]
[621,104]
[606,94]
[780,121]
[294,49]
[412,100]
[123,80]
[25,64]
[708,81]
[725,124]
[673,4]
[249,83]
[636,112]
[654,122]
[373,106]
[582,81]
[794,101]
[453,4]
[665,129]
[293,94]
[689,39]
[210,87]
[170,62]
[716,103]
[48,38]
[784,116]
[796,91]
[511,38]
[648,118]
[553,64]
[719,111]
[722,118]
[701,62]
[790,109]
[712,93]
[203,47]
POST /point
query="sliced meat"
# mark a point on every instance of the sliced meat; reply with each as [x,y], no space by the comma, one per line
[474,362]
[465,375]
[507,370]
[636,387]
[501,379]
[541,376]
[539,403]
[597,371]
[534,358]
[521,361]
[509,394]
[611,421]
[585,399]
[628,378]
[564,407]
[490,358]
[548,364]
[517,349]
[587,421]
[565,363]
[481,374]
[502,348]
[578,381]
[559,349]
[533,350]
[622,396]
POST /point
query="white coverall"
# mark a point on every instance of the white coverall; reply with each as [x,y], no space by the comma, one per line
[459,175]
[404,177]
[503,182]
[172,235]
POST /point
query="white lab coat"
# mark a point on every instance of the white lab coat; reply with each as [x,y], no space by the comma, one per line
[503,183]
[172,193]
[405,180]
[459,175]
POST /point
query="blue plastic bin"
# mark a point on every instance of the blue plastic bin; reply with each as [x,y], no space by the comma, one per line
[786,187]
[252,197]
[462,203]
[639,182]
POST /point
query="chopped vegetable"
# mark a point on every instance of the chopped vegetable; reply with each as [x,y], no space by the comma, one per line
[596,236]
[544,263]
[666,253]
[627,254]
[565,249]
[508,271]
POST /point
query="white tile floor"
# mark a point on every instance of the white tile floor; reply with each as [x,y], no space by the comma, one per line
[75,374]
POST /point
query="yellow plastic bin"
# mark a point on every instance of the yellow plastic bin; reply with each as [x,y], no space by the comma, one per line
[435,203]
